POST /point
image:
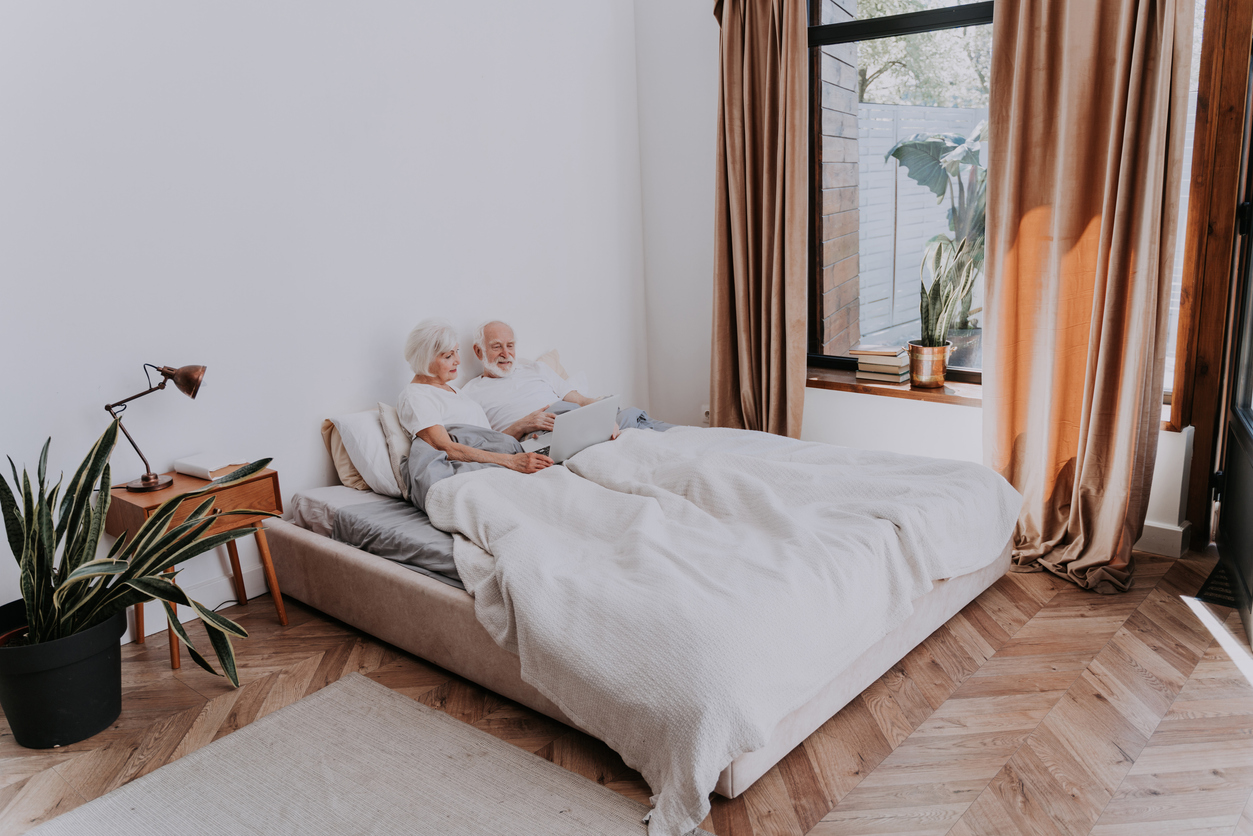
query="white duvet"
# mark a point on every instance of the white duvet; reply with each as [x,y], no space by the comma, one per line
[677,594]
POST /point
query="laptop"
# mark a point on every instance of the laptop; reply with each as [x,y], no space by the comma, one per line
[576,430]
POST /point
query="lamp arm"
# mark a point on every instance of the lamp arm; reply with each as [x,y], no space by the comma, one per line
[113,406]
[147,467]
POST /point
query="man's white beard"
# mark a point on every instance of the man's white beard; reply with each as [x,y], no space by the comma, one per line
[494,370]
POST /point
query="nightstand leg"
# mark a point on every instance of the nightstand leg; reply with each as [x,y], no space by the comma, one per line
[139,623]
[236,575]
[175,661]
[271,579]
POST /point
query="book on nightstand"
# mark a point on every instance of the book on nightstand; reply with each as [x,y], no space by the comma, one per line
[207,465]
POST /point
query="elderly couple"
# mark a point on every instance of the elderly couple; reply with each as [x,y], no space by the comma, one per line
[515,401]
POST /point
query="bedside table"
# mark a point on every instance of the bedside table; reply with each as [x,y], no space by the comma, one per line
[129,509]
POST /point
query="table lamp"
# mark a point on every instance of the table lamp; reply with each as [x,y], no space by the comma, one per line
[186,380]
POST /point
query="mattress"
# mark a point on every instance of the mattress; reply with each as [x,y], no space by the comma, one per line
[382,526]
[315,509]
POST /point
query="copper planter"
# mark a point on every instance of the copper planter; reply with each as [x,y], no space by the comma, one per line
[927,365]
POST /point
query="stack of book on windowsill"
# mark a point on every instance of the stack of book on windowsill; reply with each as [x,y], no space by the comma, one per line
[882,363]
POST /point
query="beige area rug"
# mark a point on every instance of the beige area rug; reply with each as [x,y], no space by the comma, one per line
[354,758]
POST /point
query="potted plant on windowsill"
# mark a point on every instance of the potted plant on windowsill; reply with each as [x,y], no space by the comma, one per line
[60,662]
[953,272]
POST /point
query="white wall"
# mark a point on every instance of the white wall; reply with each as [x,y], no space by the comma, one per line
[676,47]
[279,190]
[876,422]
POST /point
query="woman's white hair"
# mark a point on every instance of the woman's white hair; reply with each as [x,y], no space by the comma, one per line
[429,339]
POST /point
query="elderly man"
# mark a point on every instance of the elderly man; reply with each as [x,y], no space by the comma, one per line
[509,392]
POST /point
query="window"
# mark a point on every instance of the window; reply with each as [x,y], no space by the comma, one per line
[895,85]
[883,71]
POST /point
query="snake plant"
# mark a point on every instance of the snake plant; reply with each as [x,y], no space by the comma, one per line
[76,591]
[953,271]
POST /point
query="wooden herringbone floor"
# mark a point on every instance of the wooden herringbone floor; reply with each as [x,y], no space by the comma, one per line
[1038,709]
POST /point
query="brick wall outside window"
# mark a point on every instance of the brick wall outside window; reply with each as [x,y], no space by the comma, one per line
[838,225]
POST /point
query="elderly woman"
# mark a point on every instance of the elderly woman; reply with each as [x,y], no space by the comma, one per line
[429,402]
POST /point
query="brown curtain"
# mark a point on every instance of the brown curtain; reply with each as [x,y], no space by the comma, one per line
[1087,120]
[758,367]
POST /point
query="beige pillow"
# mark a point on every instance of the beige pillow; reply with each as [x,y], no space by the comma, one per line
[551,359]
[398,442]
[348,474]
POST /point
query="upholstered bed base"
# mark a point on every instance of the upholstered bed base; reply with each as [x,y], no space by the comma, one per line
[436,622]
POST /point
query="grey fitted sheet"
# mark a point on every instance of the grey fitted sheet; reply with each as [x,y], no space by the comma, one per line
[396,530]
[389,528]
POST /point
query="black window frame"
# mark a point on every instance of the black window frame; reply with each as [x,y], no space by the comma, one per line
[819,35]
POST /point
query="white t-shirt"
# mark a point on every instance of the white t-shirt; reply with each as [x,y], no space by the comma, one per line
[422,405]
[506,399]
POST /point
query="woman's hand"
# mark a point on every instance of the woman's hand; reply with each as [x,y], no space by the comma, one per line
[436,436]
[528,462]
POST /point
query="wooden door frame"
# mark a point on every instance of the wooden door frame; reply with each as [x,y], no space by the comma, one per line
[1209,246]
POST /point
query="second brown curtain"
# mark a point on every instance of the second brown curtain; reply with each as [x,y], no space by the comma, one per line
[1087,125]
[758,367]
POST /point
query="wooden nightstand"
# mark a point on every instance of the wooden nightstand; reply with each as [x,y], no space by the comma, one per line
[129,509]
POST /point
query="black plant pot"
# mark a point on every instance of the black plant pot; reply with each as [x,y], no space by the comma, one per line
[62,691]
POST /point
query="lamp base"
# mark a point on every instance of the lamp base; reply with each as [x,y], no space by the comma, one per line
[150,482]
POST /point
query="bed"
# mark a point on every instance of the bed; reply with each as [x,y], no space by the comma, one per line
[433,619]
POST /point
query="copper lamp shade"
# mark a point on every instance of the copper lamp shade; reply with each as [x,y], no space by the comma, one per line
[187,380]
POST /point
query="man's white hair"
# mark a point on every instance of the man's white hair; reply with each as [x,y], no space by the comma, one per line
[429,339]
[480,336]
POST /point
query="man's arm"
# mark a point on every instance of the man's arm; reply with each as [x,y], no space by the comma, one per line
[538,421]
[558,384]
[436,436]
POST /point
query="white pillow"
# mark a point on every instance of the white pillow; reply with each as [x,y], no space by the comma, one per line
[363,438]
[552,359]
[398,442]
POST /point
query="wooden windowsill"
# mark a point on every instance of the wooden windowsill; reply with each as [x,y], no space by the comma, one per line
[963,394]
[845,380]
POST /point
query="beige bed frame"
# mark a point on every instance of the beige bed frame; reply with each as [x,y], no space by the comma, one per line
[436,622]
